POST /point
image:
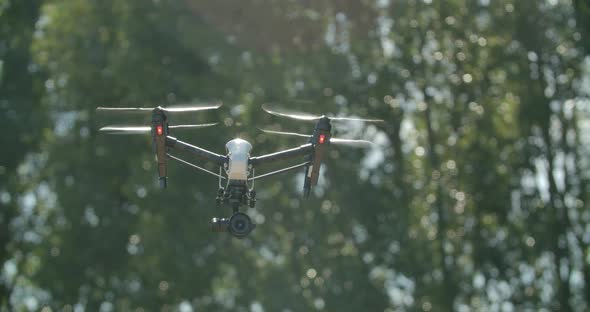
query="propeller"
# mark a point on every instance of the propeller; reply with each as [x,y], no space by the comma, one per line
[271,109]
[170,109]
[124,129]
[192,126]
[335,141]
[285,133]
[144,129]
[351,143]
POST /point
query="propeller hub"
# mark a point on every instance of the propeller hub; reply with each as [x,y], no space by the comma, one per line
[323,124]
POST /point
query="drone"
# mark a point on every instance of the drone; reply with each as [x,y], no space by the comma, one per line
[237,166]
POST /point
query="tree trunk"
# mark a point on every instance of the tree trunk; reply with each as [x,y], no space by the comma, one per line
[17,89]
[448,285]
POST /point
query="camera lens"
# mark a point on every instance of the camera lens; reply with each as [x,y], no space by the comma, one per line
[240,224]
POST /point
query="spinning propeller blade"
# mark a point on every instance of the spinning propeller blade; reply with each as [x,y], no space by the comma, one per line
[170,109]
[335,141]
[356,119]
[351,143]
[285,133]
[277,111]
[191,107]
[124,109]
[288,113]
[125,129]
[142,129]
[192,126]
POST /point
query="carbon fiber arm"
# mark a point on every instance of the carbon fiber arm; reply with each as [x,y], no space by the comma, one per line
[286,154]
[201,152]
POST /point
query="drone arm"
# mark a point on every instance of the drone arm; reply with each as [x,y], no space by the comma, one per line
[203,153]
[195,166]
[286,154]
[279,171]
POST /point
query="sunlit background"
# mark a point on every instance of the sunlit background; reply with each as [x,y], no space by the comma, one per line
[474,197]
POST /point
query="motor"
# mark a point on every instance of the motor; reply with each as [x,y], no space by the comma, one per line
[239,225]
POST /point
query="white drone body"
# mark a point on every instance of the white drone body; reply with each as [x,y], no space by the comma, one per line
[238,154]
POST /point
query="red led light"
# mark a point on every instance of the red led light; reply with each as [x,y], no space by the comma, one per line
[322,138]
[159,129]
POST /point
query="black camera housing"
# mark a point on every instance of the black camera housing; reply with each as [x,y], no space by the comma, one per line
[239,225]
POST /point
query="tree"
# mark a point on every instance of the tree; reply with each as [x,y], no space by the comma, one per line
[23,119]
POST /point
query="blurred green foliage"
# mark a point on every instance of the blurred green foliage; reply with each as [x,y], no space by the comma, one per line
[475,197]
